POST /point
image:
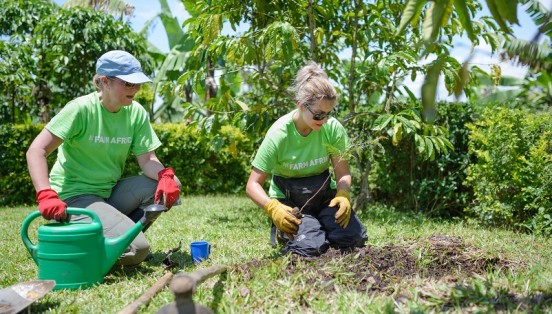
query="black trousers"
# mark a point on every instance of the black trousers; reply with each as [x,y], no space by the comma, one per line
[318,230]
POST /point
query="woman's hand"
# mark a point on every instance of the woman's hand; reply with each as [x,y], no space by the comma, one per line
[167,188]
[283,217]
[343,215]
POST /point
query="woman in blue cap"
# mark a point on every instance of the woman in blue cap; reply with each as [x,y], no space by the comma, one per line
[94,135]
[297,152]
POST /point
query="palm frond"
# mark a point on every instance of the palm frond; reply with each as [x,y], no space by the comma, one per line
[537,56]
[541,15]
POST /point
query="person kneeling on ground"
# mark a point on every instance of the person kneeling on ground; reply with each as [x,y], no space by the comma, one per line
[94,135]
[297,152]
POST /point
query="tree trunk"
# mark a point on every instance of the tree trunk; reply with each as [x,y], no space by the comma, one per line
[12,105]
[364,197]
[211,87]
[352,107]
[390,92]
[151,109]
[363,166]
[312,28]
[42,94]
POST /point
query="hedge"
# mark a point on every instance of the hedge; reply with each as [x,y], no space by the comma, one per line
[512,174]
[403,179]
[204,163]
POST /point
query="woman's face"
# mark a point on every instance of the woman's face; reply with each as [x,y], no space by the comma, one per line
[316,115]
[122,93]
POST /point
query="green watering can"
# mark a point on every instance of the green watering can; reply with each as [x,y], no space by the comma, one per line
[76,254]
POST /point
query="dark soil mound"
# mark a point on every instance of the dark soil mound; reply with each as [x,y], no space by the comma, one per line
[379,269]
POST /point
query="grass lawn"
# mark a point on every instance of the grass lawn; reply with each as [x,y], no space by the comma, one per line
[411,264]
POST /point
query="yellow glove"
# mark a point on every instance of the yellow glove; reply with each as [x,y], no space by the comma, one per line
[282,217]
[343,215]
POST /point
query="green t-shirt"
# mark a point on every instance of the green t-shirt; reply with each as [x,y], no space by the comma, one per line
[96,144]
[286,153]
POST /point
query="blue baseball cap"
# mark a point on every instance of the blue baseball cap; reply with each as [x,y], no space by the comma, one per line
[123,65]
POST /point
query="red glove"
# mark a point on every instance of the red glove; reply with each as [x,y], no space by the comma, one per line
[167,187]
[50,206]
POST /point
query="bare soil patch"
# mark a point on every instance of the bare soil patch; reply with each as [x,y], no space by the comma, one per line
[380,269]
[439,271]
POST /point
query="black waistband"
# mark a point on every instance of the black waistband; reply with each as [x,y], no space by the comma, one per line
[310,193]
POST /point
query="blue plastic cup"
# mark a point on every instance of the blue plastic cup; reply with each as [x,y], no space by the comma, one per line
[200,251]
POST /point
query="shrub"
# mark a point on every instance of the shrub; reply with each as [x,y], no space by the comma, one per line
[407,181]
[204,163]
[512,176]
[15,181]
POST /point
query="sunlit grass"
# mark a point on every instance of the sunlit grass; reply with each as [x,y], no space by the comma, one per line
[239,234]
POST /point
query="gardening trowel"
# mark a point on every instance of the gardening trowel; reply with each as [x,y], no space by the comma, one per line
[16,298]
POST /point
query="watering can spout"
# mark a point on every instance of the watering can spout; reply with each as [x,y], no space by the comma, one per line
[115,247]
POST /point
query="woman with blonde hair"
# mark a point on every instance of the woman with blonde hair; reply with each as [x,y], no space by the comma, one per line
[310,210]
[94,135]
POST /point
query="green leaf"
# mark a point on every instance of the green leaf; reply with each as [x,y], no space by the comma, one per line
[410,93]
[407,123]
[435,16]
[216,144]
[430,152]
[413,75]
[462,78]
[436,144]
[508,10]
[447,143]
[319,34]
[420,143]
[382,121]
[191,7]
[530,53]
[242,105]
[412,9]
[429,89]
[497,16]
[464,17]
[439,144]
[173,30]
[397,134]
[408,55]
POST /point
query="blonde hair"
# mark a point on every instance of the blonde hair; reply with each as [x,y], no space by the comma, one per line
[312,84]
[97,81]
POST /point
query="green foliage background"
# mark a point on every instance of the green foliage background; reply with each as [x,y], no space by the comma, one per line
[512,176]
[500,172]
[403,178]
[55,53]
[204,164]
[404,162]
[15,182]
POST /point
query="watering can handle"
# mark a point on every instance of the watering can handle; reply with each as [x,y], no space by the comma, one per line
[82,211]
[25,235]
[27,222]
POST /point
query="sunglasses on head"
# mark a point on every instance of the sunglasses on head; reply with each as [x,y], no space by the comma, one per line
[317,115]
[127,84]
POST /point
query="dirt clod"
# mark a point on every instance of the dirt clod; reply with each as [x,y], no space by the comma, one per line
[296,212]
